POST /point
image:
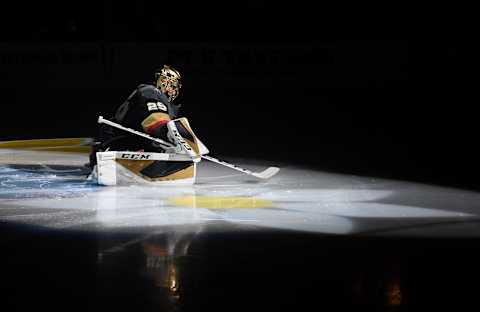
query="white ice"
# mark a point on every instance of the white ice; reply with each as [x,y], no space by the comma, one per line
[301,200]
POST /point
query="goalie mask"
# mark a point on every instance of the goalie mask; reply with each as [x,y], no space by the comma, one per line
[168,81]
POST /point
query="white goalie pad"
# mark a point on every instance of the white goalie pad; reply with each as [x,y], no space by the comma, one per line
[181,134]
[133,168]
[106,169]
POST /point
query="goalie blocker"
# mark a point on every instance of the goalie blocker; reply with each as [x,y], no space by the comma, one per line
[176,166]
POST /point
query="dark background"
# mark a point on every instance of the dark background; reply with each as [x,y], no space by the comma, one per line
[374,89]
[369,89]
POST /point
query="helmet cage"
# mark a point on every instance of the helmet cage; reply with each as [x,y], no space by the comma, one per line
[168,81]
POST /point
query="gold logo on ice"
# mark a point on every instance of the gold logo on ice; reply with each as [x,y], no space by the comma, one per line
[220,202]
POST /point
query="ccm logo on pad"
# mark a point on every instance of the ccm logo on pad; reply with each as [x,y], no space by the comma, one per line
[135,156]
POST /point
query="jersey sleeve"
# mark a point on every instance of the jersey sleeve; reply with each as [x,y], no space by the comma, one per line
[154,121]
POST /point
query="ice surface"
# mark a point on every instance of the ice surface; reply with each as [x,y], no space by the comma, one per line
[50,190]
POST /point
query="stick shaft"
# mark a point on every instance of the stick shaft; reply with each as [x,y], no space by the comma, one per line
[224,163]
[118,126]
[212,159]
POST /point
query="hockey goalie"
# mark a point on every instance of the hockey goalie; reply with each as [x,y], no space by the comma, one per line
[147,142]
[125,157]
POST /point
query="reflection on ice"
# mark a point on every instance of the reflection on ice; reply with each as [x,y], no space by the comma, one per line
[154,259]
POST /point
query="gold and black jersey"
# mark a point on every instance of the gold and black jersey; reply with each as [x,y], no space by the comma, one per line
[147,109]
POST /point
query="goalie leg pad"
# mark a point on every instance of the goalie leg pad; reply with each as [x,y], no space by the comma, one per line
[157,170]
[106,168]
[112,170]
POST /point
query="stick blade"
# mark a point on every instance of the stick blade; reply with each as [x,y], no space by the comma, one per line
[267,173]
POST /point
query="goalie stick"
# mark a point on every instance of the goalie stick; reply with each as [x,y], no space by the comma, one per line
[265,174]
